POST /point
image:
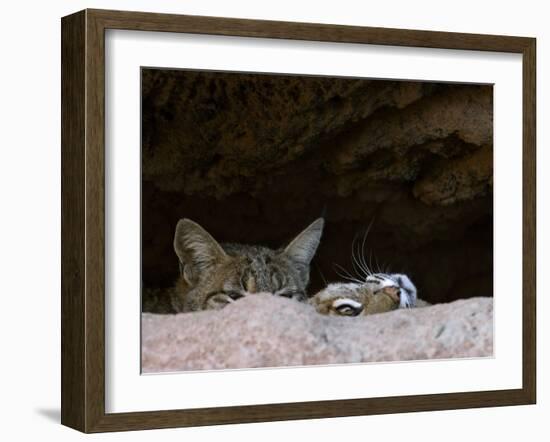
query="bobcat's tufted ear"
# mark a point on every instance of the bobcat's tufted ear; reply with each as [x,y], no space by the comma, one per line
[197,250]
[303,247]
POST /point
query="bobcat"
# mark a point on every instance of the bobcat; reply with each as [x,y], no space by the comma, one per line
[213,275]
[378,293]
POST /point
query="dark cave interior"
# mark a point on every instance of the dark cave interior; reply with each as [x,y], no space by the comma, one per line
[255,158]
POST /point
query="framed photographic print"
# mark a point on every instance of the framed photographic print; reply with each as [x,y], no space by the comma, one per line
[268,220]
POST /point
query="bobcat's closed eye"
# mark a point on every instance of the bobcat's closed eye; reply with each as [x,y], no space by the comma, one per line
[293,295]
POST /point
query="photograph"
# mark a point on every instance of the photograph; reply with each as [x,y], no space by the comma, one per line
[298,220]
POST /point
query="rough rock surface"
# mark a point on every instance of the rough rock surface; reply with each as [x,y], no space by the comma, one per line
[255,158]
[268,331]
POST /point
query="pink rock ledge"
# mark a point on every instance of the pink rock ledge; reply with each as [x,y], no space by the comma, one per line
[268,331]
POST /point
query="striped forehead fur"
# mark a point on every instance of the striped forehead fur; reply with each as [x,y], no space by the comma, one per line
[214,271]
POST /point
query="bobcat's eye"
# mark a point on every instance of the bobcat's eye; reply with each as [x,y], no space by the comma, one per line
[292,295]
[348,310]
[234,295]
[347,307]
[218,300]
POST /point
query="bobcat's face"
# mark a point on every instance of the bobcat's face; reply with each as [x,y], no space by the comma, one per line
[214,275]
[378,294]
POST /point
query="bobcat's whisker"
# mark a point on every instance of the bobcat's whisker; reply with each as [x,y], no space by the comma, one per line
[362,254]
[356,260]
[346,274]
[363,262]
[353,258]
[356,263]
[365,271]
[378,268]
[374,265]
[370,259]
[348,278]
[321,274]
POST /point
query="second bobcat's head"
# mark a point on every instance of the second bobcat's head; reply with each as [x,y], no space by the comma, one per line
[379,293]
[214,275]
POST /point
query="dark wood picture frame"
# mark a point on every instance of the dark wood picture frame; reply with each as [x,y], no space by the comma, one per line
[83,215]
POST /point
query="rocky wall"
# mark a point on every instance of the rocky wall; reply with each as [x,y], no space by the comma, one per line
[255,158]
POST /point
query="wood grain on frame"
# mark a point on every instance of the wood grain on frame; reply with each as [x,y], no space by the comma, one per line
[83,218]
[73,394]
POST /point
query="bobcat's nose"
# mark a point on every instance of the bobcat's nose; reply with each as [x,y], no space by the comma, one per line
[393,292]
